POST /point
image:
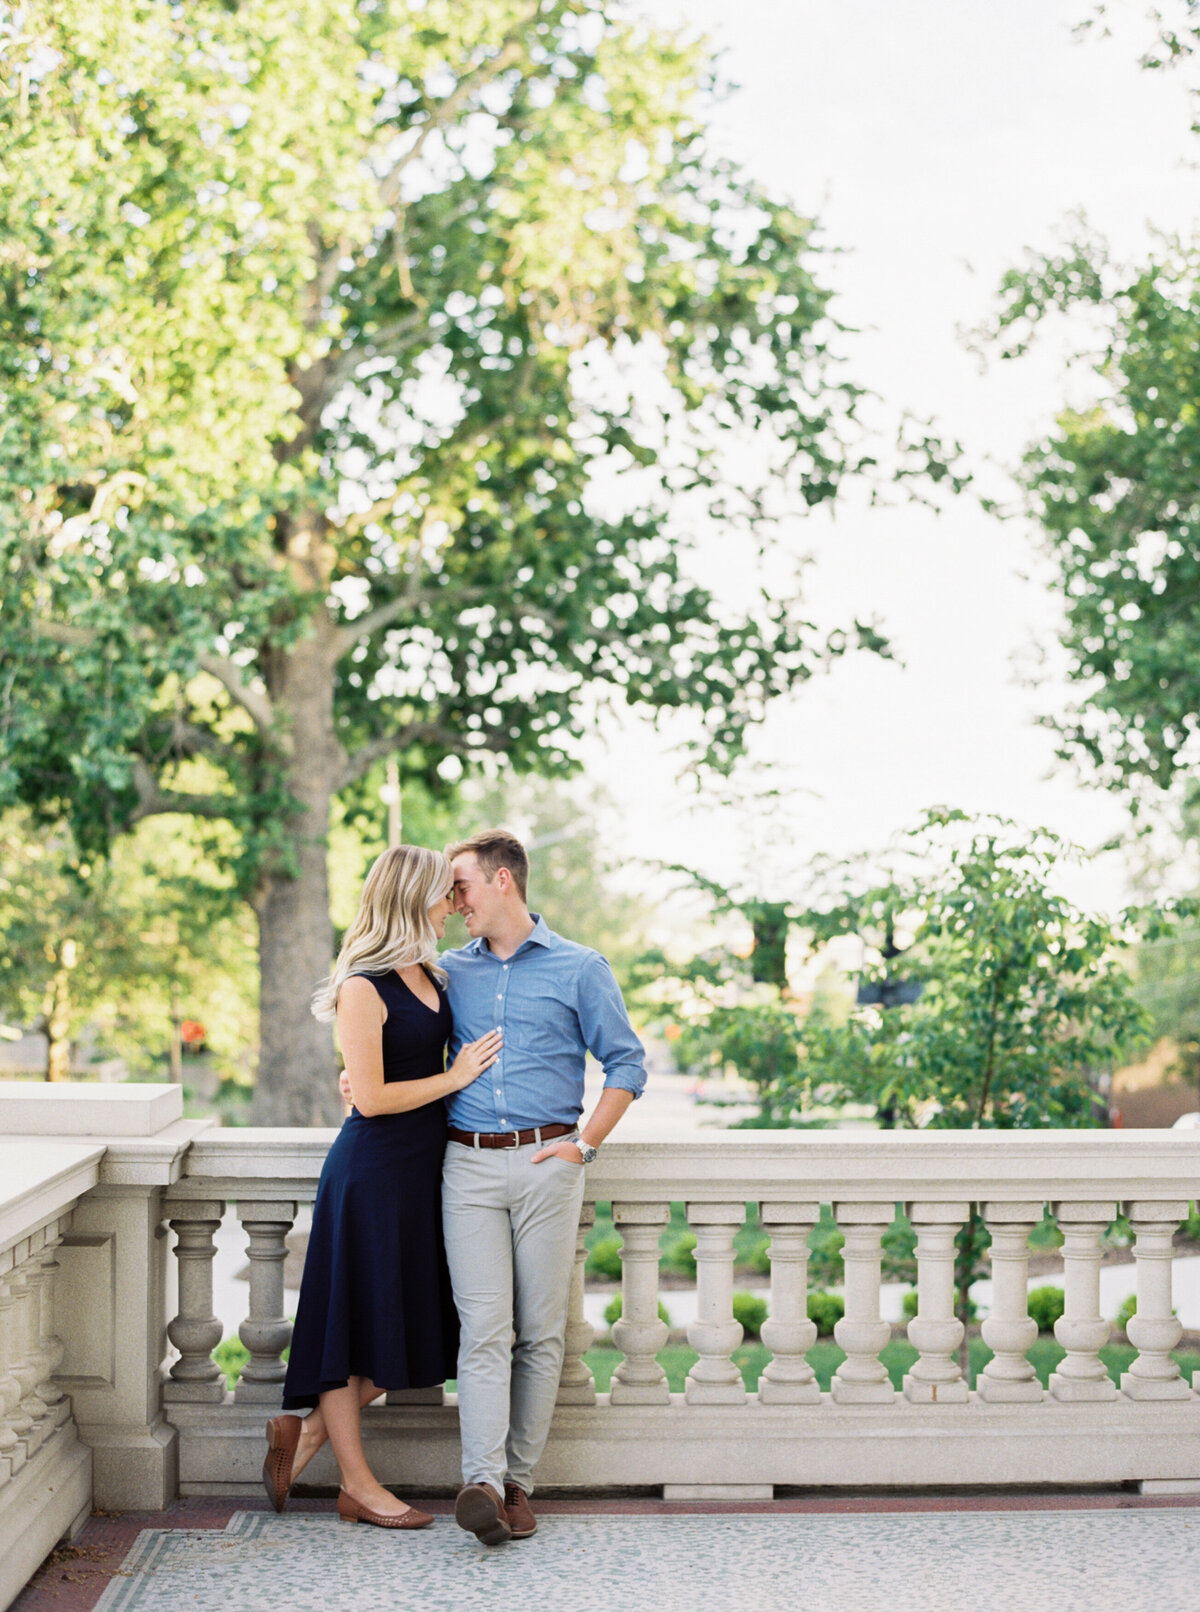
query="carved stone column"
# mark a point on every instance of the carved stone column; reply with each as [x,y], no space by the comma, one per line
[788,1379]
[51,1348]
[195,1377]
[1154,1331]
[1081,1329]
[12,1451]
[639,1334]
[714,1334]
[30,1416]
[266,1332]
[935,1330]
[1009,1330]
[576,1385]
[862,1378]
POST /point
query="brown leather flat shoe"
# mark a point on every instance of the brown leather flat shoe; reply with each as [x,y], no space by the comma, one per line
[480,1510]
[351,1510]
[518,1511]
[283,1435]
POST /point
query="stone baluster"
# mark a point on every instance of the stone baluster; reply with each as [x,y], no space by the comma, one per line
[862,1378]
[51,1348]
[195,1376]
[1081,1329]
[714,1334]
[935,1331]
[1009,1329]
[266,1332]
[12,1451]
[639,1334]
[31,1425]
[788,1379]
[1153,1330]
[576,1385]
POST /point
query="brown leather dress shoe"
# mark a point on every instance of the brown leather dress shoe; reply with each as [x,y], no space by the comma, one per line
[351,1510]
[480,1510]
[283,1435]
[518,1511]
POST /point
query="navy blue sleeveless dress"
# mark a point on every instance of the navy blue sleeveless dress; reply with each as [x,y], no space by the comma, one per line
[375,1297]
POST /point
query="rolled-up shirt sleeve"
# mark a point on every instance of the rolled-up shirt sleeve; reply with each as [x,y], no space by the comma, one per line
[607,1032]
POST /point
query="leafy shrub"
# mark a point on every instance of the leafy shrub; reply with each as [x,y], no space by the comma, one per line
[757,1258]
[751,1311]
[677,1256]
[826,1309]
[1127,1311]
[1046,1304]
[612,1310]
[604,1257]
[231,1354]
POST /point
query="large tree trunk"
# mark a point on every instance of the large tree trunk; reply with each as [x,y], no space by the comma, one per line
[57,1013]
[297,1071]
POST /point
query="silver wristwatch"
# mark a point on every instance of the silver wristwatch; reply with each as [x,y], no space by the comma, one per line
[587,1152]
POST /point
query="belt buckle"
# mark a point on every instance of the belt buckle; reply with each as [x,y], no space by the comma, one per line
[516,1138]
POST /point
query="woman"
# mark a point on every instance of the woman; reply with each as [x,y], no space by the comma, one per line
[375,1308]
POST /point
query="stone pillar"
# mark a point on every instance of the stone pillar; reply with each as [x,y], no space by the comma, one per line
[30,1421]
[1081,1329]
[935,1330]
[862,1378]
[714,1334]
[576,1385]
[12,1451]
[1009,1330]
[1154,1331]
[267,1331]
[51,1347]
[639,1334]
[788,1379]
[195,1377]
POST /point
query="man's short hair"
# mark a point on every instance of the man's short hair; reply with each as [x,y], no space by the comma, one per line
[496,848]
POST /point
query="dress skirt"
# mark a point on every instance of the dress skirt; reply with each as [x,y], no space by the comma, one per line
[375,1299]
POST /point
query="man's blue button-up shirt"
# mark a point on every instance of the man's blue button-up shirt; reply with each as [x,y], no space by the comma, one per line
[555,1002]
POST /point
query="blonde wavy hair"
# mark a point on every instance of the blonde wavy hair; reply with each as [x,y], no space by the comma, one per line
[392,928]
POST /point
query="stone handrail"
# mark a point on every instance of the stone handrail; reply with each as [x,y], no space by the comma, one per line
[45,1472]
[716,1437]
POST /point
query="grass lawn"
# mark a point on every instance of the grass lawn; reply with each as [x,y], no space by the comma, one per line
[825,1357]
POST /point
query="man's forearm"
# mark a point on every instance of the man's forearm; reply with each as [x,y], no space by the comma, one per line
[612,1104]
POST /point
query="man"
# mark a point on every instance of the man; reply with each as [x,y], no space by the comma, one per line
[512,1183]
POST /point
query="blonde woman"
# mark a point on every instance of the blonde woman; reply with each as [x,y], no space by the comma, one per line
[375,1309]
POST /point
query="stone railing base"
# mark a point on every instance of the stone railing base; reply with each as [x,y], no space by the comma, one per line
[669,1446]
[48,1500]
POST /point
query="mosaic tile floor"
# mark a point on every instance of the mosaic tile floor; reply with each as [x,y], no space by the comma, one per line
[985,1561]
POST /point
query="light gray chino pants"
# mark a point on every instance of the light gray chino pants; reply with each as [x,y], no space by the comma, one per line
[510,1230]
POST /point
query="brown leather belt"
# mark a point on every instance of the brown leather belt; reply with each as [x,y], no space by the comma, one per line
[539,1134]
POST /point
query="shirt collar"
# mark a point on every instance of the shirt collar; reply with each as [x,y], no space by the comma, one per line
[541,935]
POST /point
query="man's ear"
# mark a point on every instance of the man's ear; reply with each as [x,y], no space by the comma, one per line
[503,877]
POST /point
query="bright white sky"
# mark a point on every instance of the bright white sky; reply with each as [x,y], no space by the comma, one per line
[935,139]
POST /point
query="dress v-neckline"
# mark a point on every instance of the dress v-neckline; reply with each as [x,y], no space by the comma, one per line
[435,1010]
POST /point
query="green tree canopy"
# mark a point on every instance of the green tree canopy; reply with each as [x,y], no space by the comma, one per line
[366,370]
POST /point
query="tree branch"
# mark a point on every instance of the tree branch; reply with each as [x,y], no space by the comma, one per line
[153,801]
[447,109]
[252,700]
[361,762]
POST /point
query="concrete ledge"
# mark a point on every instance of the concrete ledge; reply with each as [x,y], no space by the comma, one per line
[33,1108]
[41,1179]
[49,1499]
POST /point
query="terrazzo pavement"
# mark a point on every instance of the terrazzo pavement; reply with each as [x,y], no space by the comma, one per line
[986,1552]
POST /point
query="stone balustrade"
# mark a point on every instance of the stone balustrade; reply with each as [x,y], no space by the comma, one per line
[109,1391]
[716,1438]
